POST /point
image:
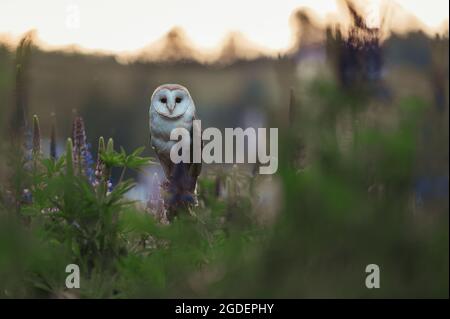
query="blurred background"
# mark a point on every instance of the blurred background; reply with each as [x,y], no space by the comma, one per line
[331,75]
[103,61]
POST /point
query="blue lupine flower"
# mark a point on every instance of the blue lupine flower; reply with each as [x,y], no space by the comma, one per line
[88,162]
[109,185]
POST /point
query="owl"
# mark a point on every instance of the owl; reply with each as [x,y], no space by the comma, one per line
[172,107]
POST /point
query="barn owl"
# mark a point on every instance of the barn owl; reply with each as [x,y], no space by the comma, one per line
[172,107]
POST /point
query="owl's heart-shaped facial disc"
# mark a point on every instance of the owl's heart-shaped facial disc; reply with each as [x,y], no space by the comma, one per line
[171,101]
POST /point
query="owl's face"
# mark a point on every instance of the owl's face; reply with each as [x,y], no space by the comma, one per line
[171,100]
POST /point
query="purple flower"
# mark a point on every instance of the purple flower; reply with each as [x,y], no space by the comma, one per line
[82,158]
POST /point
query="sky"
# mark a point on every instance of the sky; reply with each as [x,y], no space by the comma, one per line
[127,25]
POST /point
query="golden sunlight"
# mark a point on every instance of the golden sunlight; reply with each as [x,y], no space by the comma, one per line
[126,26]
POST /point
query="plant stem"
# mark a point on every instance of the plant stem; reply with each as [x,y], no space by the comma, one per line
[122,174]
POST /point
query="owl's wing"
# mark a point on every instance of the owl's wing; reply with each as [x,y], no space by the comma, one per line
[183,176]
[165,161]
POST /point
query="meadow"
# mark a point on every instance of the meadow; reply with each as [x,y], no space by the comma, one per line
[362,175]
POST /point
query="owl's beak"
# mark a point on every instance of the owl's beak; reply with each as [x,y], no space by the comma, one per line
[170,107]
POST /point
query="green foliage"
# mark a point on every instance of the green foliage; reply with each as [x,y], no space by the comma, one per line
[76,216]
[347,207]
[120,159]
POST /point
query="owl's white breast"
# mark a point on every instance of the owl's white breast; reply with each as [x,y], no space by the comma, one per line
[161,127]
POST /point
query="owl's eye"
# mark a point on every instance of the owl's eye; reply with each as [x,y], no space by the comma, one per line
[163,100]
[178,100]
